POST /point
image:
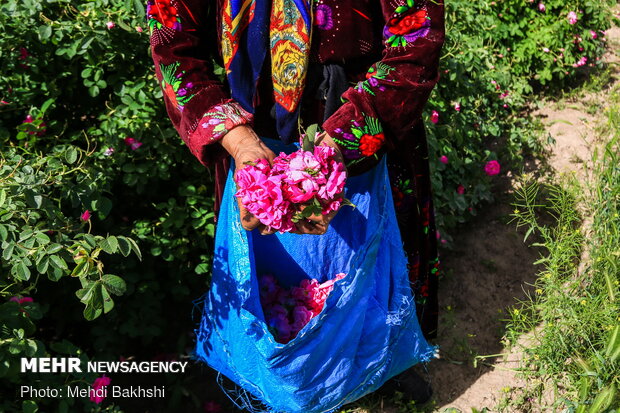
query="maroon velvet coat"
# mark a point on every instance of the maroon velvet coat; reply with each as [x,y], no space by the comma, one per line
[389,52]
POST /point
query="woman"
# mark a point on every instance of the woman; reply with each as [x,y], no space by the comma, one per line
[362,69]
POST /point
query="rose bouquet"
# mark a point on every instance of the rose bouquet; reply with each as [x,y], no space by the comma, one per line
[287,311]
[297,186]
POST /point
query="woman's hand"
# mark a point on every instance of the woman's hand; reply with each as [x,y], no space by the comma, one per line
[244,145]
[318,224]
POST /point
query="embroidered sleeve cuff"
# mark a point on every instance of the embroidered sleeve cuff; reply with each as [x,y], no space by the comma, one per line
[221,118]
[212,127]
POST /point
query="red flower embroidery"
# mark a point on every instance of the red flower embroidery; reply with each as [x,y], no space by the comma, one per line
[406,24]
[369,144]
[164,12]
[424,290]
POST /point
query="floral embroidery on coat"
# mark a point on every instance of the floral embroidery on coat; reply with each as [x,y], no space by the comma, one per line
[407,25]
[162,13]
[171,85]
[323,18]
[364,139]
[378,71]
[163,20]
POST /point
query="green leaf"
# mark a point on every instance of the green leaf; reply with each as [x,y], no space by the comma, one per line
[139,7]
[108,303]
[4,233]
[29,406]
[109,245]
[2,197]
[93,91]
[401,9]
[80,269]
[84,294]
[124,246]
[90,312]
[102,205]
[42,238]
[202,268]
[43,265]
[135,248]
[54,274]
[90,239]
[58,262]
[33,199]
[310,137]
[20,271]
[114,284]
[71,155]
[47,104]
[8,251]
[44,32]
[410,3]
[54,248]
[97,299]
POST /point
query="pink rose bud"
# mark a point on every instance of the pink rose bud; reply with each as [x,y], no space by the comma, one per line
[460,189]
[443,159]
[110,25]
[457,106]
[85,215]
[139,29]
[541,7]
[435,116]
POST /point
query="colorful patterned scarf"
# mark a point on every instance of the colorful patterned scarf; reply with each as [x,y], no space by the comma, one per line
[249,27]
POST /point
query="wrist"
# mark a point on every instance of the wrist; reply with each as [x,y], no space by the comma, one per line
[237,138]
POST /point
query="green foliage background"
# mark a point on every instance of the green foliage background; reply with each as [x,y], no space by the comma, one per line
[146,248]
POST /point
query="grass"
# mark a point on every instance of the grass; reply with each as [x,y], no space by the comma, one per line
[572,360]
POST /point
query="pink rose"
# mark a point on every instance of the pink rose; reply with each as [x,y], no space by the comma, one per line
[335,183]
[492,168]
[97,394]
[443,159]
[460,189]
[110,25]
[132,143]
[301,317]
[435,117]
[331,206]
[572,17]
[21,300]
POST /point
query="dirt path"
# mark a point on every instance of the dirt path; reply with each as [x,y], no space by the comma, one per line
[491,269]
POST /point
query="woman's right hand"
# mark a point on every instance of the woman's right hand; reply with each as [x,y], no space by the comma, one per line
[244,145]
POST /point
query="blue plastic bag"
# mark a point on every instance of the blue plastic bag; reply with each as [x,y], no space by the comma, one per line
[367,332]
